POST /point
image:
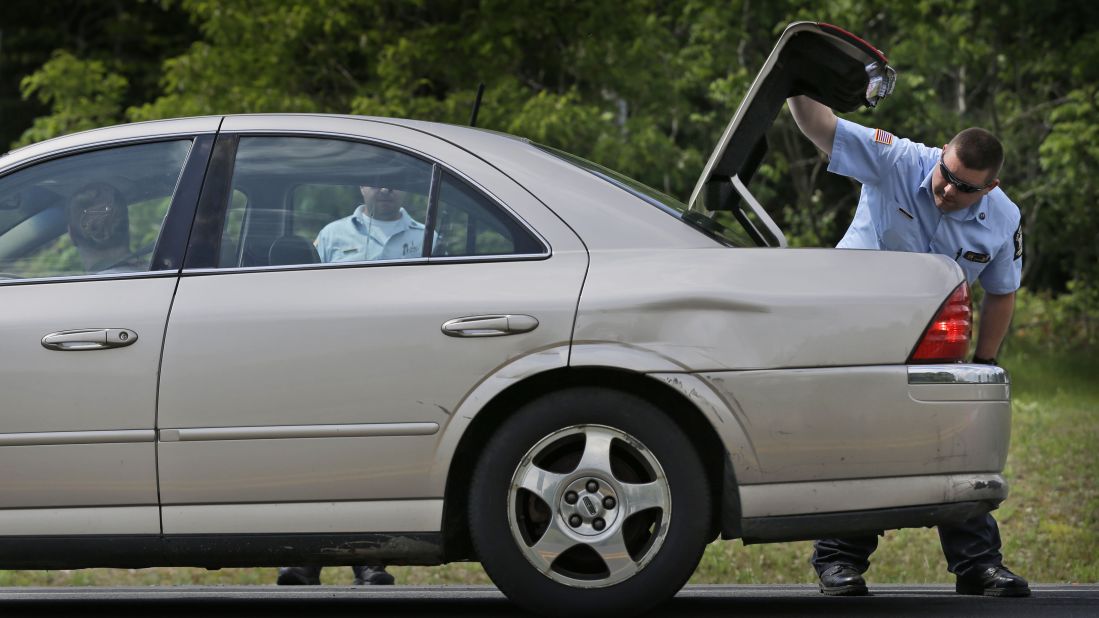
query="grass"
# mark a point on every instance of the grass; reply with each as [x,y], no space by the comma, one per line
[1049,524]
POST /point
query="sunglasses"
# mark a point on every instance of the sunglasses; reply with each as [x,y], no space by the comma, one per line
[960,185]
[98,210]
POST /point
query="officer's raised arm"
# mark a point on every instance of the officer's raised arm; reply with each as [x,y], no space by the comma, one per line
[816,121]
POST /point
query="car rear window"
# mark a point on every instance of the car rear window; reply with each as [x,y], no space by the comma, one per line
[731,235]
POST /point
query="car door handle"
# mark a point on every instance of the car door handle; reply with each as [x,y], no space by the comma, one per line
[89,339]
[489,325]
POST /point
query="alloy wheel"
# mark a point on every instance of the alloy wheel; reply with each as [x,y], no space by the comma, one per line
[589,506]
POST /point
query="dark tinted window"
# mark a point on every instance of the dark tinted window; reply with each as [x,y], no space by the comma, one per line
[91,213]
[301,200]
[469,224]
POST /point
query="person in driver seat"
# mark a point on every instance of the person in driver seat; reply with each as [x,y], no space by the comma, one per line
[99,225]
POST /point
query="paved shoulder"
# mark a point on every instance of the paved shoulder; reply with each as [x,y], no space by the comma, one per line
[268,601]
[895,600]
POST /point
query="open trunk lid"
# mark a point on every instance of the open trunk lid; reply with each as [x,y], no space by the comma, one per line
[822,61]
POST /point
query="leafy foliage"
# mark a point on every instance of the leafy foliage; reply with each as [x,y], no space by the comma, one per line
[82,93]
[644,87]
[1066,322]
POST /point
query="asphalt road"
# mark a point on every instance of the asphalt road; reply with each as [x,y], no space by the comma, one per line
[270,601]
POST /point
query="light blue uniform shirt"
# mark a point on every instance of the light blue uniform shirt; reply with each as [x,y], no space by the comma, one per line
[358,237]
[897,212]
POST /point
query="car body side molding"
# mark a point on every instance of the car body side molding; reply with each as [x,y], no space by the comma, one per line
[135,551]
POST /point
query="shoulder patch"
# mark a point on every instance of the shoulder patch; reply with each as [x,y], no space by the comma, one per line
[1019,241]
[883,137]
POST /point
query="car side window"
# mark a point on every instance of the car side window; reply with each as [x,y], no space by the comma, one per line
[469,224]
[303,200]
[97,212]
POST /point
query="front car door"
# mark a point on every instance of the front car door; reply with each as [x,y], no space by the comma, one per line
[90,249]
[307,373]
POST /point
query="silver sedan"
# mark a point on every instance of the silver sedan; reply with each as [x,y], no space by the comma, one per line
[304,339]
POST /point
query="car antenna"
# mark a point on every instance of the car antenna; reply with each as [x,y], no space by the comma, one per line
[476,105]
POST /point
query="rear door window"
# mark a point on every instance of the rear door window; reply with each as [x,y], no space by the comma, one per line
[312,200]
[300,200]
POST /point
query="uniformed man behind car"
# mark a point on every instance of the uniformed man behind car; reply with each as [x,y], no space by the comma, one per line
[928,200]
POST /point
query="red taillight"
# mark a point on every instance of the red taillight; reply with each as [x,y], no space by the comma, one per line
[946,339]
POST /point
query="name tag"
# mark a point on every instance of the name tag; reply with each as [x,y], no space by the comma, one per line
[983,258]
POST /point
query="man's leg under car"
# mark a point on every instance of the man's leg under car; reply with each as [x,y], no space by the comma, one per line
[372,575]
[972,550]
[365,575]
[299,576]
[840,564]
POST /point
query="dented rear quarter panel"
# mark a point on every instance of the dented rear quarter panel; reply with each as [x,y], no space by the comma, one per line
[727,309]
[864,422]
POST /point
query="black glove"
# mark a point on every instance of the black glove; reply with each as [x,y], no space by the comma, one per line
[977,360]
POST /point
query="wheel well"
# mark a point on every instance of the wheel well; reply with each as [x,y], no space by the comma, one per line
[682,412]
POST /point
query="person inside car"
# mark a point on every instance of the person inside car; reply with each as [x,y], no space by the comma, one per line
[99,225]
[379,229]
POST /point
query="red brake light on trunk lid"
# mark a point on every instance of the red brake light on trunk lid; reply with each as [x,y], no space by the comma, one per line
[946,339]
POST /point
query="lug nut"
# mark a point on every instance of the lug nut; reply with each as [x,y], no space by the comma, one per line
[609,503]
[592,487]
[598,524]
[575,521]
[571,497]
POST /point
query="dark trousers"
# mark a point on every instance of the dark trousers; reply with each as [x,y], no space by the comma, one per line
[315,571]
[971,545]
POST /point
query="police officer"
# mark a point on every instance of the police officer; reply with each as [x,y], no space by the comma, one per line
[379,229]
[928,200]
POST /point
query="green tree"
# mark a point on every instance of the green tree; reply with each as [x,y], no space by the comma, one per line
[131,38]
[644,87]
[81,94]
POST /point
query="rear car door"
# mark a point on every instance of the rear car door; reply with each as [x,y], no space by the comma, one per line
[314,355]
[91,243]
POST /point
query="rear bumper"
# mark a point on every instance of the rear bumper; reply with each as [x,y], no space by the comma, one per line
[802,511]
[857,523]
[846,450]
[838,423]
[820,497]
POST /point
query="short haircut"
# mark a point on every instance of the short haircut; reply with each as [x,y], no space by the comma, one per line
[979,150]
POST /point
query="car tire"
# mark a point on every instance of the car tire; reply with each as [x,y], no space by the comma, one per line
[558,466]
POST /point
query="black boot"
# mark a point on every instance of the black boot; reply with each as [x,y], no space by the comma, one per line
[994,581]
[299,576]
[842,580]
[372,576]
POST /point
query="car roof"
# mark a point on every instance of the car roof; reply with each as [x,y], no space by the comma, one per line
[105,135]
